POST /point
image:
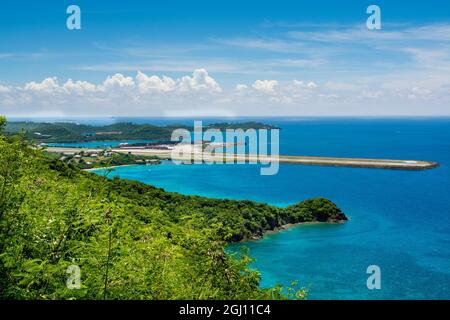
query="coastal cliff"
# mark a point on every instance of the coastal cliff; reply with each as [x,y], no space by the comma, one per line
[317,210]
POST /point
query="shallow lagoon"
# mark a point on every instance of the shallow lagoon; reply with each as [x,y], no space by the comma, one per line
[96,144]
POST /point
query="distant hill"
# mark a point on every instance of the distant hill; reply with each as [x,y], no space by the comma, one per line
[73,132]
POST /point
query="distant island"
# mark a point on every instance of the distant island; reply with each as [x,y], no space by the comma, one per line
[66,132]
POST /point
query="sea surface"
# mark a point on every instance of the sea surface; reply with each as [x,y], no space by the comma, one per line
[399,220]
[95,144]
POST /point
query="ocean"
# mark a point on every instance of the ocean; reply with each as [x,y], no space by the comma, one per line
[96,144]
[399,220]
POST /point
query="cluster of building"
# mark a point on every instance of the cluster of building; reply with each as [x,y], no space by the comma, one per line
[77,156]
[90,158]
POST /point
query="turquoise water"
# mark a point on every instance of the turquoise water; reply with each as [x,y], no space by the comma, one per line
[399,220]
[95,144]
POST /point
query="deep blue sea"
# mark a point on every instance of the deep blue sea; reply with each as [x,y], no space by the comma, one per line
[399,220]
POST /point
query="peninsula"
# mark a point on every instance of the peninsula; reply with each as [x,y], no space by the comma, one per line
[300,160]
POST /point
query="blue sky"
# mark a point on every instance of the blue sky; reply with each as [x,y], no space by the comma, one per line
[225,58]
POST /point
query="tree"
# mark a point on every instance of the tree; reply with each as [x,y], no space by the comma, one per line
[2,123]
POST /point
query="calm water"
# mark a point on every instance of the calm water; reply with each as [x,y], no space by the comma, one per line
[96,144]
[399,220]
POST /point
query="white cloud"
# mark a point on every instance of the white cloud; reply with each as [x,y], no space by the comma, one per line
[298,83]
[432,32]
[199,93]
[79,87]
[117,81]
[302,84]
[47,85]
[4,89]
[267,86]
[341,86]
[148,84]
[241,87]
[295,63]
[311,85]
[371,94]
[276,45]
[200,81]
[419,93]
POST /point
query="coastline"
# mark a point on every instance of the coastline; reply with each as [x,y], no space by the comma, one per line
[258,234]
[298,160]
[112,167]
[285,227]
[263,233]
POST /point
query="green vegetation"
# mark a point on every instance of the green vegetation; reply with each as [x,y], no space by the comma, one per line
[130,240]
[90,160]
[73,132]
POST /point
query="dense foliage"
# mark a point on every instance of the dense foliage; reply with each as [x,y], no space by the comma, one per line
[130,240]
[99,161]
[74,132]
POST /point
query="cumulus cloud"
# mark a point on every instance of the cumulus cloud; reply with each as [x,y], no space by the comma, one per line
[200,81]
[267,86]
[117,81]
[199,93]
[79,87]
[140,94]
[51,85]
[148,84]
[47,85]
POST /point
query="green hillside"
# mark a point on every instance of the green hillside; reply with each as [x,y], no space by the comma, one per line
[130,240]
[73,132]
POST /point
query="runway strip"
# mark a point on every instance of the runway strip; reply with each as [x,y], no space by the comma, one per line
[302,160]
